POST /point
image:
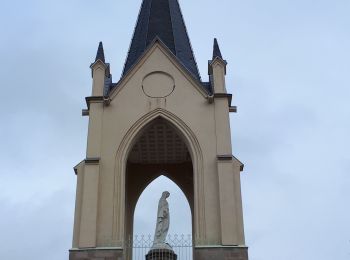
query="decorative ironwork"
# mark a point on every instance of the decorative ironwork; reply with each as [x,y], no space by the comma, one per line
[141,245]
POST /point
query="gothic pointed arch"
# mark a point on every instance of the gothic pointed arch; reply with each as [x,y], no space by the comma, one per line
[121,160]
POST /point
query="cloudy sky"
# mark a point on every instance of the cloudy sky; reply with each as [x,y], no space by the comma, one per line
[289,71]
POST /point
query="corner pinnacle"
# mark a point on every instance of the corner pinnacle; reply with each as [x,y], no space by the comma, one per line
[100,53]
[216,50]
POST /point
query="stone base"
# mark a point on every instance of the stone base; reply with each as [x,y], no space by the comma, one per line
[200,253]
[161,254]
[221,253]
[100,254]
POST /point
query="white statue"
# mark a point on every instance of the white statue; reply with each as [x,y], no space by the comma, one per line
[163,221]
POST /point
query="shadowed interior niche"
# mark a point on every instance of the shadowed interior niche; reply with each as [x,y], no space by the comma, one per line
[159,149]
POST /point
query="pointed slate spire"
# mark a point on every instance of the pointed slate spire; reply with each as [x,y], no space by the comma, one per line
[216,50]
[100,53]
[162,19]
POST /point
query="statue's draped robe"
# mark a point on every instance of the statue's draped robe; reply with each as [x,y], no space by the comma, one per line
[163,221]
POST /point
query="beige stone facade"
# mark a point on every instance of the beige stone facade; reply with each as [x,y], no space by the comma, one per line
[158,120]
[203,123]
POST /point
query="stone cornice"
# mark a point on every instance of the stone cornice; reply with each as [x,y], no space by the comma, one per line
[76,167]
[224,95]
[93,99]
[241,164]
[220,246]
[92,161]
[94,249]
[229,158]
[233,109]
[225,157]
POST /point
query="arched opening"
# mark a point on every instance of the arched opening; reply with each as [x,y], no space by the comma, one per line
[158,149]
[180,232]
[146,209]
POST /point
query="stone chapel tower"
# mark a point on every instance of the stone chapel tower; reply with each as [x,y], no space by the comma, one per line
[159,118]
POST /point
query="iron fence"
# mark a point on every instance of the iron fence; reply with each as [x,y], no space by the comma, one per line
[140,245]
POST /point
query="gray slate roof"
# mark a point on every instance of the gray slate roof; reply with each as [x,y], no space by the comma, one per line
[100,53]
[216,50]
[162,19]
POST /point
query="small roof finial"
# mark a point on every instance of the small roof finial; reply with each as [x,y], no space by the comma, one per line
[216,50]
[100,53]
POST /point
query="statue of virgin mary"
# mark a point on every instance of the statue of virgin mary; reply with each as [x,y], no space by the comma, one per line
[163,221]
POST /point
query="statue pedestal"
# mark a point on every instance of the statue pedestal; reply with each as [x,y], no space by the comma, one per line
[161,254]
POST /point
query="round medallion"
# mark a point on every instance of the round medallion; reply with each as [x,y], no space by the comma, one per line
[158,85]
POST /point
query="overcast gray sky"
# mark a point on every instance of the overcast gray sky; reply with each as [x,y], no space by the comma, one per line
[289,73]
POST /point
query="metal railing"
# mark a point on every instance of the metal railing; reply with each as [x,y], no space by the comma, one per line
[140,246]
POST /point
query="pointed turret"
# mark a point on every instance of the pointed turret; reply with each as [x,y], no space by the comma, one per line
[217,70]
[162,19]
[216,50]
[100,53]
[100,72]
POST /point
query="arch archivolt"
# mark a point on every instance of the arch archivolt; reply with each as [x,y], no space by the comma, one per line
[120,169]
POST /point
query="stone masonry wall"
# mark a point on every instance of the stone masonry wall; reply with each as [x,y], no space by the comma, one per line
[96,255]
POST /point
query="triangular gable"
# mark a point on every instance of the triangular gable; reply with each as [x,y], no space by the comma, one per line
[157,43]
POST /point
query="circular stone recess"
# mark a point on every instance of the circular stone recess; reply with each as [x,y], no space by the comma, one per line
[158,85]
